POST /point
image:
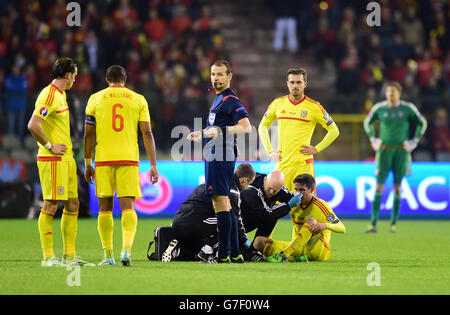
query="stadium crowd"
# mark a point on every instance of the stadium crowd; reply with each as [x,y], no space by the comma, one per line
[411,46]
[167,47]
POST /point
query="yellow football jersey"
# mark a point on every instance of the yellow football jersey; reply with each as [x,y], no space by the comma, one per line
[296,124]
[320,211]
[51,106]
[116,112]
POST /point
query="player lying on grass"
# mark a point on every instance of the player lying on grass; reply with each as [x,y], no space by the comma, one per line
[195,223]
[313,222]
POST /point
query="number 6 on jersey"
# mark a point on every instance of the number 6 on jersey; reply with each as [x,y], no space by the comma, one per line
[116,117]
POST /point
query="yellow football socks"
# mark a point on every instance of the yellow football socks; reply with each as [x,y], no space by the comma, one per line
[45,225]
[302,238]
[105,227]
[129,225]
[69,225]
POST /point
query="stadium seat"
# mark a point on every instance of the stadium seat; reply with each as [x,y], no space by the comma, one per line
[422,156]
[3,153]
[11,142]
[22,155]
[30,143]
[443,157]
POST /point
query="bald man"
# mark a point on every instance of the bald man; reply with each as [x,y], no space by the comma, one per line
[258,203]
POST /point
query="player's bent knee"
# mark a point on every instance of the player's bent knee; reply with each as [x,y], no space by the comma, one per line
[260,242]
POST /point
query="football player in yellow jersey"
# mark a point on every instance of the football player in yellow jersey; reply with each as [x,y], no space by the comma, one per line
[50,126]
[313,222]
[297,117]
[113,116]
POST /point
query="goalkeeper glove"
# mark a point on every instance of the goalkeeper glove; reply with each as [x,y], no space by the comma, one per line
[410,145]
[375,143]
[295,201]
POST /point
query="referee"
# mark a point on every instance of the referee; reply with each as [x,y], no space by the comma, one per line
[227,118]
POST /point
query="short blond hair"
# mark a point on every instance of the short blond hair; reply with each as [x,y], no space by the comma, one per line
[396,85]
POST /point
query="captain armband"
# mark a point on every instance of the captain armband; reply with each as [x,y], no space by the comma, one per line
[90,120]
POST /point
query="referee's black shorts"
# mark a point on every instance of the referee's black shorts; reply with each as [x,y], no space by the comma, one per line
[219,177]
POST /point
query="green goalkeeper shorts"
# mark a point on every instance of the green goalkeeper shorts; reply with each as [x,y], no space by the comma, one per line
[397,160]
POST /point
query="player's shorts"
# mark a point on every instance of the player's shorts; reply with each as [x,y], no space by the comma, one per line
[398,160]
[58,178]
[219,177]
[316,249]
[124,178]
[293,171]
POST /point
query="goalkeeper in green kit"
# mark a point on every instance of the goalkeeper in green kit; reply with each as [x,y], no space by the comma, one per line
[392,146]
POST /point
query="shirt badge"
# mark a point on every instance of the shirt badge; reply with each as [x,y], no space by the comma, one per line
[211,118]
[304,113]
[43,111]
[330,217]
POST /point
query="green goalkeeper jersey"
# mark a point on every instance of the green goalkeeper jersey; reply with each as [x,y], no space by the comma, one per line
[395,122]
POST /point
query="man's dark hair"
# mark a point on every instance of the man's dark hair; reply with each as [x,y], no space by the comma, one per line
[245,170]
[116,74]
[62,66]
[305,179]
[223,62]
[297,72]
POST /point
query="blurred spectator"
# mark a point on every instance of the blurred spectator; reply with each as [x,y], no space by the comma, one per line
[424,67]
[431,96]
[412,28]
[181,21]
[325,39]
[83,82]
[398,49]
[441,134]
[155,28]
[91,18]
[285,13]
[371,99]
[30,73]
[446,76]
[125,14]
[440,30]
[91,45]
[348,74]
[15,101]
[397,71]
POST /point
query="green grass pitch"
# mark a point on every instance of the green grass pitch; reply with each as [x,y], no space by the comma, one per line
[416,260]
